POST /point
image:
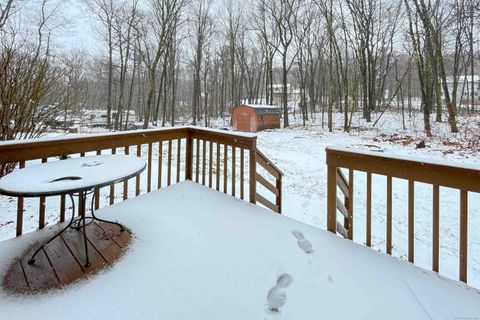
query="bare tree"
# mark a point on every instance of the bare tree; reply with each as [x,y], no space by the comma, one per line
[32,81]
[5,10]
[161,21]
[433,43]
[105,12]
[284,15]
[124,27]
[202,25]
[269,42]
[423,51]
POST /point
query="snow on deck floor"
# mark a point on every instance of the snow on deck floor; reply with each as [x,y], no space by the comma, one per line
[200,254]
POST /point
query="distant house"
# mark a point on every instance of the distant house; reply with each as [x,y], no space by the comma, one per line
[292,94]
[464,89]
[254,117]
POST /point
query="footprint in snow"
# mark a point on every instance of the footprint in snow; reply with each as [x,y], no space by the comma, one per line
[276,297]
[303,243]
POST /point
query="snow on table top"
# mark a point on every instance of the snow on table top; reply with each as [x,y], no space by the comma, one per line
[70,175]
[200,254]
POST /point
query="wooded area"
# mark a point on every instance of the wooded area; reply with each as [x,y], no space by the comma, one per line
[194,60]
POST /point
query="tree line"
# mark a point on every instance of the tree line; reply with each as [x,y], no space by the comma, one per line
[194,60]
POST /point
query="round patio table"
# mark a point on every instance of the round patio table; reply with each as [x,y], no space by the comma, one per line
[78,176]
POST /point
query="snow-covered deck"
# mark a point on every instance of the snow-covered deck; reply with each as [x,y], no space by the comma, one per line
[201,254]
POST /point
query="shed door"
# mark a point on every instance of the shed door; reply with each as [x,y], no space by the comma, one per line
[244,123]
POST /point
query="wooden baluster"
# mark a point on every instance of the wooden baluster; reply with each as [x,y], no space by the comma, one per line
[41,210]
[350,204]
[369,210]
[210,165]
[125,183]
[389,215]
[112,186]
[204,156]
[463,235]
[233,170]
[225,167]
[149,168]
[137,178]
[197,162]
[411,221]
[189,159]
[252,166]
[160,164]
[169,163]
[436,228]
[278,201]
[218,167]
[179,154]
[242,174]
[20,202]
[97,190]
[332,199]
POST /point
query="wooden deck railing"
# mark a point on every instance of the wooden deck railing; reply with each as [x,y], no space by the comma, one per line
[213,158]
[276,188]
[438,175]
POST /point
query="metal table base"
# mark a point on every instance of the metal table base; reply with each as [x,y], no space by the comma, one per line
[79,223]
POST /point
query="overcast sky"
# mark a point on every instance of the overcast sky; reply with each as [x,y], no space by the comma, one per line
[79,31]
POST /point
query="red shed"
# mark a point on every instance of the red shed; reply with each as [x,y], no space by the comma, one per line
[254,117]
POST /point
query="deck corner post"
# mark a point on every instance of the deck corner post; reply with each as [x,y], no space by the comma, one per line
[189,157]
[331,198]
[252,170]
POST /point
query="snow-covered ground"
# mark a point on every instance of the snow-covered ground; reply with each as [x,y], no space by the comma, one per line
[200,254]
[300,153]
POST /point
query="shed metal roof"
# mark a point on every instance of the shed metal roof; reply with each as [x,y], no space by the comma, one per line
[262,109]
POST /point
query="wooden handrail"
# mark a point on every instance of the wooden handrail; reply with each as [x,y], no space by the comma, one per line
[464,178]
[276,171]
[420,170]
[14,153]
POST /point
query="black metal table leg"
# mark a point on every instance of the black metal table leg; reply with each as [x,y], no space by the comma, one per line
[83,198]
[32,259]
[92,210]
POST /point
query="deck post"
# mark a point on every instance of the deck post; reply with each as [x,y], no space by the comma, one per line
[253,169]
[331,197]
[189,157]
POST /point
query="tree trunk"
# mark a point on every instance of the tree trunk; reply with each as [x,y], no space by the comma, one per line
[284,89]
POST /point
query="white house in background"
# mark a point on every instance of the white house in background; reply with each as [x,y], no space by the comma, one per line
[292,93]
[464,89]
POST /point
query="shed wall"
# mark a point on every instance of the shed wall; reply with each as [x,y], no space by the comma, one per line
[244,118]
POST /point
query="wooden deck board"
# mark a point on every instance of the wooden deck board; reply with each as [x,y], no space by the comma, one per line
[65,265]
[40,275]
[15,280]
[103,243]
[113,231]
[75,243]
[61,262]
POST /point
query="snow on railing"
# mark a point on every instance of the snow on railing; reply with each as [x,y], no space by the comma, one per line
[215,158]
[463,178]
